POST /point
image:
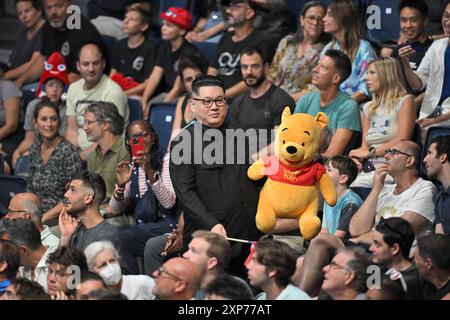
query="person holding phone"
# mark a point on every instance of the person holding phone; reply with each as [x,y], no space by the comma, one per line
[143,187]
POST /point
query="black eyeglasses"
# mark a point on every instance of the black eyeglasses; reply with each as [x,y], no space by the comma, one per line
[162,270]
[208,102]
[11,212]
[385,223]
[393,152]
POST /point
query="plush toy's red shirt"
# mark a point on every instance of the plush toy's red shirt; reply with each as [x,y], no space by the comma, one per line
[307,175]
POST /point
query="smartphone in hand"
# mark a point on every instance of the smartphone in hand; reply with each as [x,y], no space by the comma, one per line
[137,144]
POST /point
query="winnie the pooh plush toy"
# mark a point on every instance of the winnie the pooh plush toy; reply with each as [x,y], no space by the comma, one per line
[293,176]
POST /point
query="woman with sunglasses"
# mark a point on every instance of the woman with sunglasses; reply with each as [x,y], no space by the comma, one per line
[297,54]
[144,187]
[386,120]
[53,161]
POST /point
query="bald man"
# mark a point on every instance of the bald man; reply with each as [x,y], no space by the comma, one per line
[177,279]
[409,198]
[27,205]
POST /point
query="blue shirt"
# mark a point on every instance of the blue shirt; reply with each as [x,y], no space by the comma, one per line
[338,217]
[342,112]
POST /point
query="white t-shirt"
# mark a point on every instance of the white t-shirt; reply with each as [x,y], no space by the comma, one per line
[78,99]
[138,287]
[418,199]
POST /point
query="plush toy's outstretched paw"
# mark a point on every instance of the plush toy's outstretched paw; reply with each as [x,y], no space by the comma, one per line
[309,226]
[265,222]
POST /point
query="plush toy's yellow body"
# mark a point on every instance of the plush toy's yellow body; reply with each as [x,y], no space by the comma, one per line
[291,189]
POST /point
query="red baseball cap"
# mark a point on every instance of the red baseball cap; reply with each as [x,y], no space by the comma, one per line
[179,17]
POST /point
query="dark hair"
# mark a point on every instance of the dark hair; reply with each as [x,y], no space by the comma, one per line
[359,263]
[29,290]
[278,256]
[229,287]
[206,81]
[442,146]
[107,294]
[437,248]
[35,3]
[107,112]
[68,256]
[342,63]
[23,232]
[90,276]
[9,253]
[45,103]
[156,152]
[397,230]
[419,5]
[252,50]
[144,9]
[298,36]
[94,181]
[346,166]
[194,62]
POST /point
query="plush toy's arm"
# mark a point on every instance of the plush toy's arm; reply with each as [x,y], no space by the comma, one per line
[256,171]
[328,189]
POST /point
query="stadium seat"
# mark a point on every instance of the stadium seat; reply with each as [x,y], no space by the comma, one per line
[432,133]
[161,118]
[22,167]
[10,186]
[135,109]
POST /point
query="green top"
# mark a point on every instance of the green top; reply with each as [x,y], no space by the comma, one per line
[105,165]
[342,112]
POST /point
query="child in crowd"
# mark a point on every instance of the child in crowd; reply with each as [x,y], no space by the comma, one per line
[336,220]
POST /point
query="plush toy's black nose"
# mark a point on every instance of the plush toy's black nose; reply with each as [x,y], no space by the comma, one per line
[291,149]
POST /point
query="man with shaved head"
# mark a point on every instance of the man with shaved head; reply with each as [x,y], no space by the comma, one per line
[177,279]
[27,205]
[409,198]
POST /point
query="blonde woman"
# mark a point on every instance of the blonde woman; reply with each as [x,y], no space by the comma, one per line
[386,120]
[341,20]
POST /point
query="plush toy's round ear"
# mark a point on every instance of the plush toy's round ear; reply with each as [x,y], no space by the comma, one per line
[286,113]
[322,120]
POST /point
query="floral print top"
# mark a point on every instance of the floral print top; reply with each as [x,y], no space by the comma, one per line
[357,80]
[49,181]
[290,73]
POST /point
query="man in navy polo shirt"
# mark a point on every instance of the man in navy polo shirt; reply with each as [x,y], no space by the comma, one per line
[437,162]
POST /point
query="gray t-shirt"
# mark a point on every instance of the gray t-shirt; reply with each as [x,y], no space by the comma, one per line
[29,117]
[7,90]
[104,231]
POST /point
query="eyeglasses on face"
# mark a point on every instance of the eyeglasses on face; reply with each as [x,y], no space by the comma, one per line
[392,152]
[208,102]
[12,212]
[334,265]
[89,122]
[161,270]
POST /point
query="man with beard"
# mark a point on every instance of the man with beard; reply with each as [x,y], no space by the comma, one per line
[225,63]
[343,115]
[261,107]
[80,220]
[437,162]
[63,34]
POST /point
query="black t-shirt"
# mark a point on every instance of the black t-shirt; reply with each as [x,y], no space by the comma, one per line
[70,41]
[431,293]
[261,113]
[24,48]
[137,62]
[228,55]
[168,60]
[441,208]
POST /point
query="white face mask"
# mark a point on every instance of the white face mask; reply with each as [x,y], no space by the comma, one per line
[111,274]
